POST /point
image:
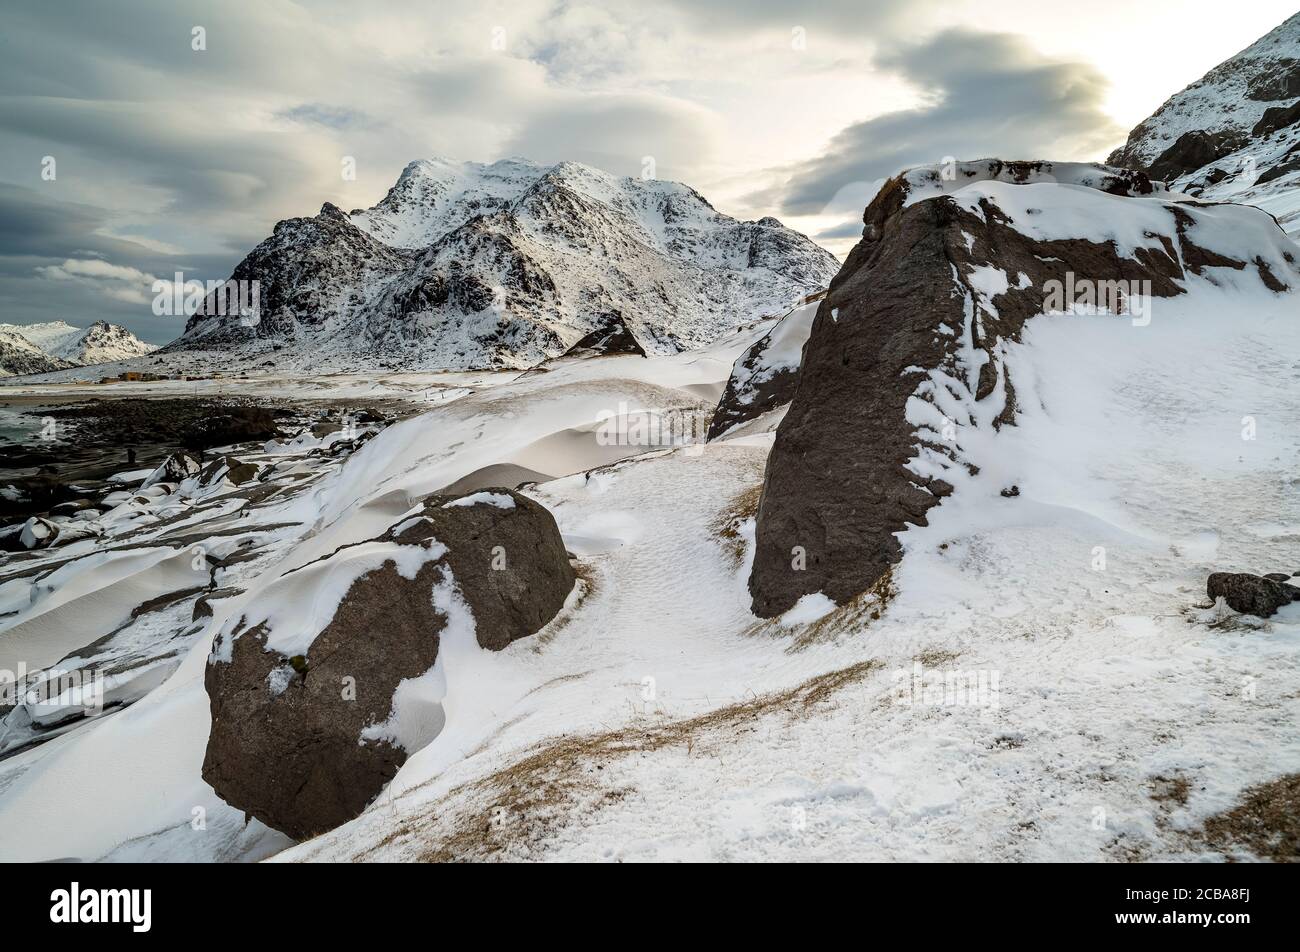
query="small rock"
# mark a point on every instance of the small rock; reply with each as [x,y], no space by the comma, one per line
[174,469]
[1250,594]
[39,533]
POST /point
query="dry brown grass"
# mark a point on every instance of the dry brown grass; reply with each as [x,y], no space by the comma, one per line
[937,657]
[726,525]
[852,617]
[509,813]
[1266,823]
[1170,791]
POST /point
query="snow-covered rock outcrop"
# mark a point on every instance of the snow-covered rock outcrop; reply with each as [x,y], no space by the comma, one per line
[764,377]
[505,265]
[1228,101]
[906,368]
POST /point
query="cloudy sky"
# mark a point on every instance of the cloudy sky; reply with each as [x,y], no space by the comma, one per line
[170,158]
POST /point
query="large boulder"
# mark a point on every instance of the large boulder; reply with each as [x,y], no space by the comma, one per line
[907,349]
[231,469]
[324,686]
[1251,594]
[1277,117]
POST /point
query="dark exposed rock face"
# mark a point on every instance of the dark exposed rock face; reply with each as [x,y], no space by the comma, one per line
[288,744]
[611,336]
[1193,150]
[1278,117]
[1251,594]
[1280,81]
[904,317]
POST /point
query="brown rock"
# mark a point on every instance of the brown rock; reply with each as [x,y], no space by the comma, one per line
[1250,594]
[297,759]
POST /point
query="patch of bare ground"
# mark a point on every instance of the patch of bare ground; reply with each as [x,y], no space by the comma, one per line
[1265,823]
[730,520]
[509,814]
[1170,791]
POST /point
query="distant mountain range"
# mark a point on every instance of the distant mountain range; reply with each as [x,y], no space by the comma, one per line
[56,345]
[504,265]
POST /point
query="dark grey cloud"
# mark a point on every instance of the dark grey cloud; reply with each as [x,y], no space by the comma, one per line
[40,234]
[985,94]
[849,229]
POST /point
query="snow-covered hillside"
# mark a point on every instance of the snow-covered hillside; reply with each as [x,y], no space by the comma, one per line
[504,265]
[1041,670]
[18,355]
[1265,173]
[99,343]
[1230,99]
[1234,135]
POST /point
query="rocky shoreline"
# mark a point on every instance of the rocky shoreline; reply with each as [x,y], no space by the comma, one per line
[79,446]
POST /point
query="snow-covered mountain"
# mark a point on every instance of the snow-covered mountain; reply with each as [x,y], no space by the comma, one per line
[505,265]
[18,355]
[69,346]
[1234,135]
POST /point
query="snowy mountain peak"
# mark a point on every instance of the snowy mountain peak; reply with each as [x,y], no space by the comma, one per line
[101,342]
[55,345]
[465,264]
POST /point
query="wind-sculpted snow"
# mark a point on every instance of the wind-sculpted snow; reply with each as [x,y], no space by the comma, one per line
[656,717]
[506,265]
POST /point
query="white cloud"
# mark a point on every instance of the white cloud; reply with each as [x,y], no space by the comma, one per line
[113,281]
